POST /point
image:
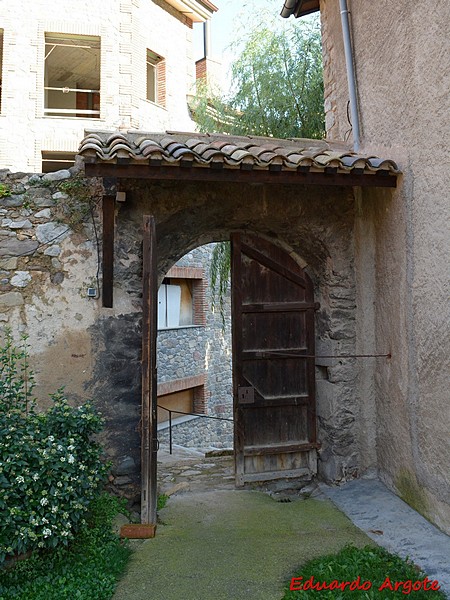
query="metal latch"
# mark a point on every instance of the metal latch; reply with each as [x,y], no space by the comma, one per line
[246,394]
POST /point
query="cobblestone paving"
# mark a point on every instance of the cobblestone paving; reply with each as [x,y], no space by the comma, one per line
[189,470]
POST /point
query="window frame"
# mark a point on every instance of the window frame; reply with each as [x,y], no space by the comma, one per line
[155,72]
[87,99]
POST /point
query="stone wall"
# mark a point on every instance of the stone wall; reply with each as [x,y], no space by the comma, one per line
[402,240]
[96,351]
[317,226]
[199,433]
[194,350]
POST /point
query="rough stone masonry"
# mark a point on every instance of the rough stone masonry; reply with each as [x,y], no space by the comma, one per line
[49,249]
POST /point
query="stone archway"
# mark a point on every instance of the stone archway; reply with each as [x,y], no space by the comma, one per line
[316,226]
[306,204]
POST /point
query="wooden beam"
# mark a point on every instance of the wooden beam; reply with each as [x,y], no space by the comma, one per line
[280,448]
[134,171]
[149,385]
[108,250]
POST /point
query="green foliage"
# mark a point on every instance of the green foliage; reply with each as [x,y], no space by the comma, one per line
[86,570]
[78,206]
[277,91]
[220,275]
[50,469]
[277,86]
[4,190]
[162,501]
[370,564]
[77,188]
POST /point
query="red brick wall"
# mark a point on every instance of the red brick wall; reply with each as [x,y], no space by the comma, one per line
[200,69]
[161,83]
[197,275]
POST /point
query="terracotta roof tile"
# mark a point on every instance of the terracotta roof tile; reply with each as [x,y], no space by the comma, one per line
[227,151]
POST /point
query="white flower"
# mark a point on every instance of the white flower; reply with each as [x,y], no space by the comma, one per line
[71,447]
[44,501]
[62,459]
[51,438]
[71,459]
[64,533]
[35,477]
[46,532]
[44,521]
[59,447]
[20,479]
[54,509]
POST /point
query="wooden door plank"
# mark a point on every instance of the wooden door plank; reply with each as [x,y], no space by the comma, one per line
[279,448]
[282,270]
[149,384]
[272,475]
[278,307]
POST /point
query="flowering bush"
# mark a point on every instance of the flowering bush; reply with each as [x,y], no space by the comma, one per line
[50,469]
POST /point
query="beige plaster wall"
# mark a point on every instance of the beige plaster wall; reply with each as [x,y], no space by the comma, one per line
[402,60]
[127,28]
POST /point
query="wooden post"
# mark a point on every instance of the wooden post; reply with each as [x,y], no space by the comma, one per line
[149,400]
[108,250]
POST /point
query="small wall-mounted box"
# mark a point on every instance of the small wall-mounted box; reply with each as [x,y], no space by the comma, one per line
[91,292]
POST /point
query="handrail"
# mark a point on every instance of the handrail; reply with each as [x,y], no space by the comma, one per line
[180,412]
[65,90]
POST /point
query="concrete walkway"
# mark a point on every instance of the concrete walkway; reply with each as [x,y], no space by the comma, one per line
[394,525]
[218,543]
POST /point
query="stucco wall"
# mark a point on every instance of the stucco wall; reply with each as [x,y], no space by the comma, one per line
[403,77]
[127,28]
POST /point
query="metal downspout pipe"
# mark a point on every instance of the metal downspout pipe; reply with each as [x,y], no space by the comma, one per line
[207,39]
[351,78]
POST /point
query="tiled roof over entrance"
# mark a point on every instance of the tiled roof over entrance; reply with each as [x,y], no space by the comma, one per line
[216,151]
[299,8]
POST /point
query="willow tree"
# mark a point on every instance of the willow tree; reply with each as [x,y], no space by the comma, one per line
[276,91]
[276,86]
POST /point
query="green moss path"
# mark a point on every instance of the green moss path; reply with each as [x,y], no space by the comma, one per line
[232,544]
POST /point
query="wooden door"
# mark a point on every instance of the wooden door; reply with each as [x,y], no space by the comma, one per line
[149,441]
[273,363]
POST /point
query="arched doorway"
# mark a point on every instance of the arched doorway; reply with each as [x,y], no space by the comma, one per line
[273,364]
